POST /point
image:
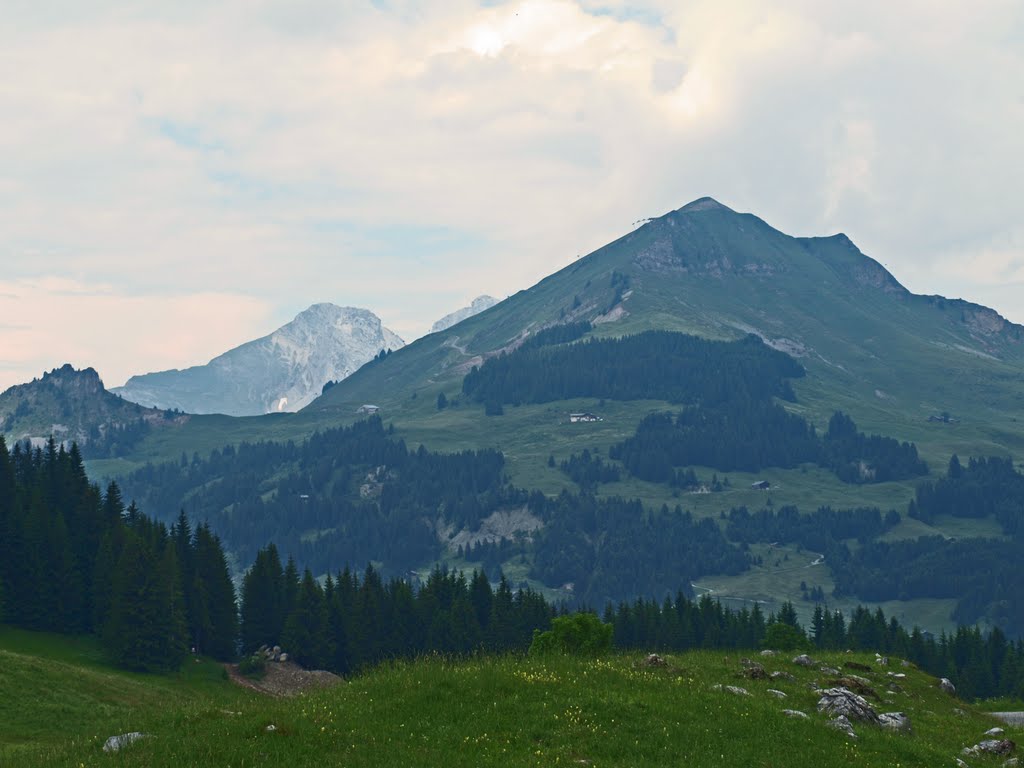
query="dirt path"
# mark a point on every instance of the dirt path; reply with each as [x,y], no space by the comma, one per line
[284,679]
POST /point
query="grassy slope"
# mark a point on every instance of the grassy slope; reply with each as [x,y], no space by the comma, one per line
[503,712]
[60,694]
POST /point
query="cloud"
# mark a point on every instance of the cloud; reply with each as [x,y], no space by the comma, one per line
[67,321]
[404,156]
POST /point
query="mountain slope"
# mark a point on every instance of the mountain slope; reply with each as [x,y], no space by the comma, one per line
[72,405]
[872,348]
[283,371]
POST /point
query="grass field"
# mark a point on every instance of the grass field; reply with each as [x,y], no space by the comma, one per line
[507,711]
[59,693]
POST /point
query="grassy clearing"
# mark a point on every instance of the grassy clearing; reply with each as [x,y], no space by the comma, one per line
[783,569]
[59,693]
[512,711]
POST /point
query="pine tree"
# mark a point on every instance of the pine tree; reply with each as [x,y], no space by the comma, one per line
[218,592]
[263,601]
[305,635]
[145,629]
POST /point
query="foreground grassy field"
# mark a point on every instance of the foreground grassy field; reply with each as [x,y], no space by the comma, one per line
[60,704]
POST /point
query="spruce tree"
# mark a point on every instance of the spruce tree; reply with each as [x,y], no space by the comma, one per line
[221,611]
[305,635]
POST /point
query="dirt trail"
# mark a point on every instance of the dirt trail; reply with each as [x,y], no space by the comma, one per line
[284,679]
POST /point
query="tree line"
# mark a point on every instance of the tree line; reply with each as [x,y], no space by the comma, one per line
[986,487]
[654,365]
[750,435]
[598,545]
[75,560]
[983,665]
[349,623]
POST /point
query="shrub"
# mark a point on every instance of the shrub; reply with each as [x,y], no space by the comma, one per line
[254,666]
[580,634]
[784,637]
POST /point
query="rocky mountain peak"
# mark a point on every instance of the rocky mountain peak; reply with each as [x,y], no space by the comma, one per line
[67,376]
[702,204]
[283,371]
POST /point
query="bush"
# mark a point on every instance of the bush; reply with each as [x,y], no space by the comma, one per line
[254,666]
[580,634]
[784,637]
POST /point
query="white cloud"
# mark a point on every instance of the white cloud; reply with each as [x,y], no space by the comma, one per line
[61,320]
[300,151]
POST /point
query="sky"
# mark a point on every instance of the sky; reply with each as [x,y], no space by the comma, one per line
[178,178]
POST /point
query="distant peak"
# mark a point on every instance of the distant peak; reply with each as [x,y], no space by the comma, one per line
[704,204]
[69,371]
[332,309]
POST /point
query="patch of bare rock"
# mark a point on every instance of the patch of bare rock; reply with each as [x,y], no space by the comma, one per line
[284,678]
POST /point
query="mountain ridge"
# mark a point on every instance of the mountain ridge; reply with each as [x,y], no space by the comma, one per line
[677,265]
[282,371]
[71,406]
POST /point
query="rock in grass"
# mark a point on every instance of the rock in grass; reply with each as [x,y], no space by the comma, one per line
[946,685]
[859,685]
[843,702]
[804,660]
[781,676]
[115,743]
[1001,747]
[994,732]
[795,713]
[754,671]
[895,721]
[733,689]
[776,694]
[842,723]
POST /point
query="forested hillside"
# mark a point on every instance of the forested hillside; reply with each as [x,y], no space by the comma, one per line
[655,365]
[347,495]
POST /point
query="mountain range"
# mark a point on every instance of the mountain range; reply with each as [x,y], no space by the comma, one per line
[919,378]
[283,371]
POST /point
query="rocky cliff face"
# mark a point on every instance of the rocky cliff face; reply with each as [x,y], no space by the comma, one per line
[280,372]
[478,305]
[70,405]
